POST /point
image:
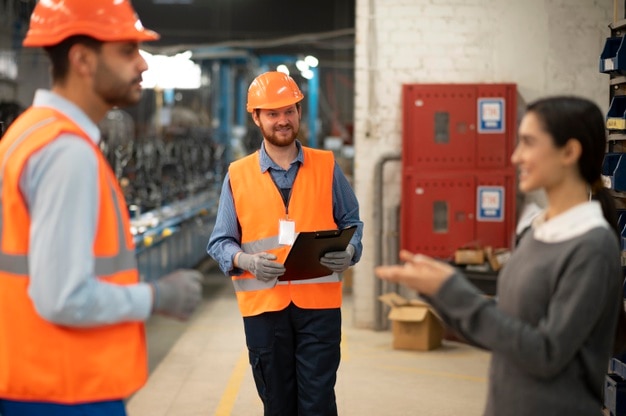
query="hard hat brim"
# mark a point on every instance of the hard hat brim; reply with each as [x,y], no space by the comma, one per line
[43,39]
[274,105]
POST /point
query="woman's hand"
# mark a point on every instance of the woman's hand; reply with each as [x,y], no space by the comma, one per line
[420,273]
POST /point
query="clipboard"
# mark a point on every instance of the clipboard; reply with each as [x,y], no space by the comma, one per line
[303,260]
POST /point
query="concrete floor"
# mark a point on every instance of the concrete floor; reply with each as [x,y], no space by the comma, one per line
[201,368]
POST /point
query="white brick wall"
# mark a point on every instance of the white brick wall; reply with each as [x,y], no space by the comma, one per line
[543,46]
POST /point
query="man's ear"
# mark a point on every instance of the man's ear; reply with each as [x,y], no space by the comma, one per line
[81,59]
[255,118]
[572,151]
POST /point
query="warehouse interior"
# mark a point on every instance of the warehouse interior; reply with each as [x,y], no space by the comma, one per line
[381,78]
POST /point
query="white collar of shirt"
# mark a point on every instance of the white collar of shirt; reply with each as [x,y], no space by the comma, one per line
[569,224]
[46,98]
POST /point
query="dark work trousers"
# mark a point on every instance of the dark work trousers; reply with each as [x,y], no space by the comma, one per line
[294,354]
[108,408]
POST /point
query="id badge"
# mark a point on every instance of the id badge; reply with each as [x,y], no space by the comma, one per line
[286,232]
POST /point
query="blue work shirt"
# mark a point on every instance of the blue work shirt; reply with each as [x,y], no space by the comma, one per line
[225,241]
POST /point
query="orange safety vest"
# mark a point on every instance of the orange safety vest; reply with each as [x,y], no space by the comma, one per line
[259,207]
[40,360]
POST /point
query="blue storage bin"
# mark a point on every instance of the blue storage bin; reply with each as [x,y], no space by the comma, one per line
[613,56]
[616,117]
[614,167]
[618,367]
[615,395]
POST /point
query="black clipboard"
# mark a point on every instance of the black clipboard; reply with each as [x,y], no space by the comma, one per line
[303,260]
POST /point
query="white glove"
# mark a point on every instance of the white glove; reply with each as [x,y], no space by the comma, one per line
[338,261]
[261,265]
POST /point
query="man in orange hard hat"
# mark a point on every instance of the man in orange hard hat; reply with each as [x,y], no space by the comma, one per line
[292,327]
[72,338]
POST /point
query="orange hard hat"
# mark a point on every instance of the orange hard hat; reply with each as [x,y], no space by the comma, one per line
[53,21]
[273,90]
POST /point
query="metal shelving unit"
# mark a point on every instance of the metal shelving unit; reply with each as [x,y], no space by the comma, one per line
[613,63]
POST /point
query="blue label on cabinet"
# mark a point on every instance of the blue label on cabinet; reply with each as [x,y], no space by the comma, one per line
[491,115]
[490,203]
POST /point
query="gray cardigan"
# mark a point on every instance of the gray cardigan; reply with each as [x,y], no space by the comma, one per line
[552,327]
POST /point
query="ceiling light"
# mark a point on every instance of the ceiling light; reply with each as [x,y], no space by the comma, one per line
[311,61]
[170,72]
[301,65]
[283,69]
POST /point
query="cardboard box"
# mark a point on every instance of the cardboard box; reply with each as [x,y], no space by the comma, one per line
[469,256]
[497,257]
[415,326]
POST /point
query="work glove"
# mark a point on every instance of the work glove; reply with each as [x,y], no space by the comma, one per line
[338,261]
[261,265]
[177,294]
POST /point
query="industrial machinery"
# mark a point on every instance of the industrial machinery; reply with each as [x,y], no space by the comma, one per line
[9,111]
[170,184]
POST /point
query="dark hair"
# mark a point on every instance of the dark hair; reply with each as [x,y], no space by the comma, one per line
[566,118]
[58,54]
[577,118]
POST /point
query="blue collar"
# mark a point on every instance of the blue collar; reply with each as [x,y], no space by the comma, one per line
[266,162]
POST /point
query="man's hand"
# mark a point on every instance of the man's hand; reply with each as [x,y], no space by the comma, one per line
[261,265]
[177,294]
[338,261]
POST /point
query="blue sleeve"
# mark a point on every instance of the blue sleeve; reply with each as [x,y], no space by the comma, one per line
[60,185]
[346,210]
[225,239]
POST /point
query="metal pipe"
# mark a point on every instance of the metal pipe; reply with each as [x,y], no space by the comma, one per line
[378,232]
[314,87]
[393,243]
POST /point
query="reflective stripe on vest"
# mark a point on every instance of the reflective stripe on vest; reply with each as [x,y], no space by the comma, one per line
[249,285]
[260,245]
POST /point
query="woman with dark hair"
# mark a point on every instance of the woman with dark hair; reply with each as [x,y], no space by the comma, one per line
[553,326]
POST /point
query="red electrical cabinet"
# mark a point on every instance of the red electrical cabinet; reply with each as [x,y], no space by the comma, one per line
[458,183]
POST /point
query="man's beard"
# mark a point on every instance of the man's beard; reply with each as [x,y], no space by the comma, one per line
[115,91]
[282,141]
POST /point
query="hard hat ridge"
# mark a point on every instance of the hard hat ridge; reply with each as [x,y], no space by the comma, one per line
[53,21]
